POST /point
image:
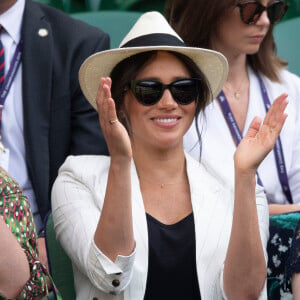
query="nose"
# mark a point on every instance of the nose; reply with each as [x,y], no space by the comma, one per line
[263,19]
[167,100]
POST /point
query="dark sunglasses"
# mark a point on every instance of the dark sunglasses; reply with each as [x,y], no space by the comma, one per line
[184,91]
[251,11]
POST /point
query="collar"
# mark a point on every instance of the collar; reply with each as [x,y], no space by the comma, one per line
[11,20]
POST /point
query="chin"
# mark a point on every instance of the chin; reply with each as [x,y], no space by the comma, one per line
[172,144]
[253,49]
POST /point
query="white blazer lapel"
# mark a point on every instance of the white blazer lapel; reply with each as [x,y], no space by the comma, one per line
[138,284]
[212,208]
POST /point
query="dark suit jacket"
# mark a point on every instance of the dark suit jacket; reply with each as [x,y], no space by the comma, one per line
[58,121]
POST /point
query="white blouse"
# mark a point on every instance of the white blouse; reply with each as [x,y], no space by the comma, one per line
[218,146]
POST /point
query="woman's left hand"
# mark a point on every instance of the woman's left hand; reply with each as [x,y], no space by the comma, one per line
[260,140]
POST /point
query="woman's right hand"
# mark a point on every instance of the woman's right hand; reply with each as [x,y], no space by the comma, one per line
[114,233]
[115,134]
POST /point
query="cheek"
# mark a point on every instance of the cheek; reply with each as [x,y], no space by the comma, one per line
[191,108]
[190,112]
[231,20]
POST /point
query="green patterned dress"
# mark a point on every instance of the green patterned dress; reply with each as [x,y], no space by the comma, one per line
[15,210]
[283,254]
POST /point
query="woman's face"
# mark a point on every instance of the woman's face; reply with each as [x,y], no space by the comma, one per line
[163,124]
[233,37]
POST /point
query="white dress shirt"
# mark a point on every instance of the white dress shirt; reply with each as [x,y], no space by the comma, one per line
[12,115]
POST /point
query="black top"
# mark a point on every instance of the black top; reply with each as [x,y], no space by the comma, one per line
[172,261]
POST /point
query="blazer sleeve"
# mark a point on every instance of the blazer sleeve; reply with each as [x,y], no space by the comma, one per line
[263,223]
[77,199]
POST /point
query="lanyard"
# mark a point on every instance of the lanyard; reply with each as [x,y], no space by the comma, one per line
[232,124]
[16,61]
[237,136]
[278,152]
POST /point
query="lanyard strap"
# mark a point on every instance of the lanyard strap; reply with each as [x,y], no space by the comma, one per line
[232,124]
[237,137]
[16,61]
[278,151]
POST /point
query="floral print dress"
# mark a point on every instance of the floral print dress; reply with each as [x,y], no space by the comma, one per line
[283,255]
[15,211]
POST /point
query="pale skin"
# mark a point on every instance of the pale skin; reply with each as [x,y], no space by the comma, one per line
[163,147]
[296,286]
[14,270]
[245,40]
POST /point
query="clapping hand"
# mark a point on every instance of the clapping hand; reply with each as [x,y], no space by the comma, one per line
[260,139]
[114,132]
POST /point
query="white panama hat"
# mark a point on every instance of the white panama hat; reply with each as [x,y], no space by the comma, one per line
[150,32]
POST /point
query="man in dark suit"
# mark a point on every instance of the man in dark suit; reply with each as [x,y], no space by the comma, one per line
[45,117]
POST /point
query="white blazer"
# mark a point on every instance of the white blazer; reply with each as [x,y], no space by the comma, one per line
[77,199]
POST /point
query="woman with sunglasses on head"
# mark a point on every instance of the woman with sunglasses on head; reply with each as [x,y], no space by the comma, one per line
[150,222]
[242,31]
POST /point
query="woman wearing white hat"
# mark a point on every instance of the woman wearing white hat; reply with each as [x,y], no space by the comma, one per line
[149,222]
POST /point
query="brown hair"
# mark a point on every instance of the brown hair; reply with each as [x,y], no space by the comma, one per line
[196,20]
[127,70]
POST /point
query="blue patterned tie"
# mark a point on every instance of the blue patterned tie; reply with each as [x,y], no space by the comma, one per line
[2,62]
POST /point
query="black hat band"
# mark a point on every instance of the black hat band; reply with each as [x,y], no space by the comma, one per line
[154,39]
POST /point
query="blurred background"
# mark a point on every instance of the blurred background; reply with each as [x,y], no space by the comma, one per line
[117,16]
[71,6]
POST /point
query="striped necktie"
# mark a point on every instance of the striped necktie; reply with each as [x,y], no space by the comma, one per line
[2,62]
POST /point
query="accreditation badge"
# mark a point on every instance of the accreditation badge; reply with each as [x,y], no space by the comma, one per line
[4,157]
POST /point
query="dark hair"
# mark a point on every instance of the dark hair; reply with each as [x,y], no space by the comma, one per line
[127,70]
[196,20]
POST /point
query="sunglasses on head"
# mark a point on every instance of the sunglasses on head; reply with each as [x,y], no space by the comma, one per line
[184,91]
[252,10]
